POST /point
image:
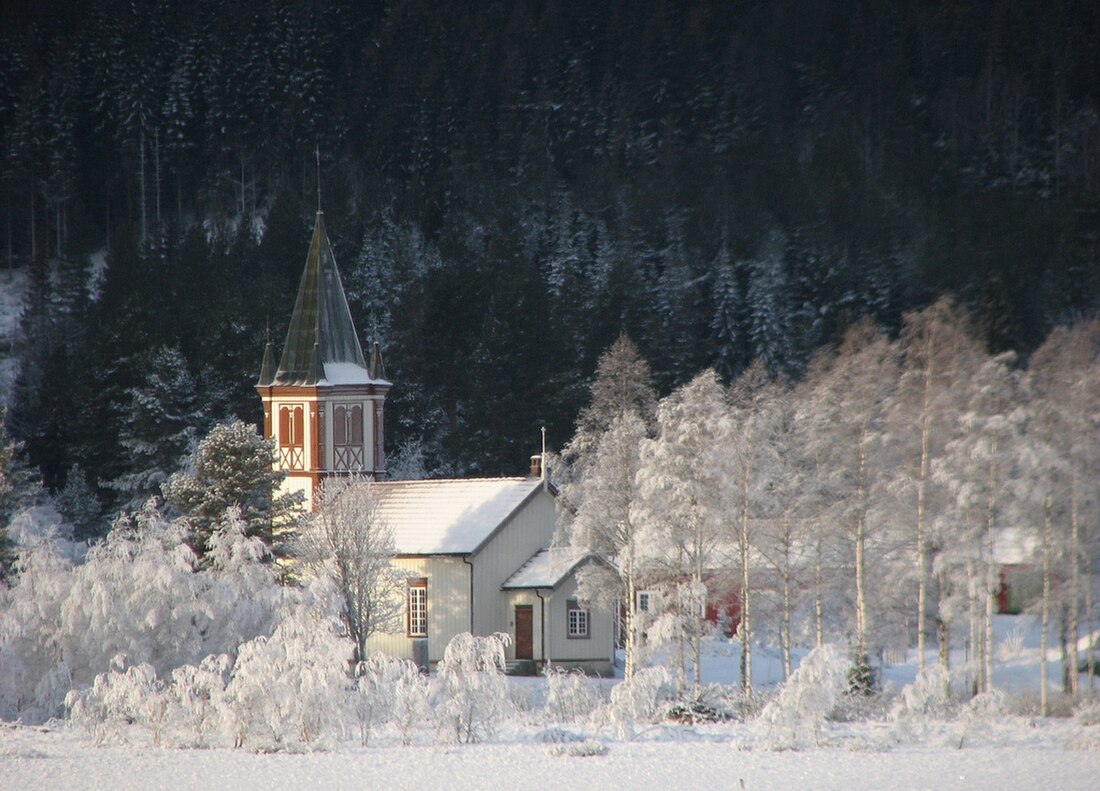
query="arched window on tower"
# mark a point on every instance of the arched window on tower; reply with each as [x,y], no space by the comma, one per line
[292,436]
[347,437]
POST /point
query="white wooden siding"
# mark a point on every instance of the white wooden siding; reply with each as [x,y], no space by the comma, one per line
[448,606]
[529,529]
[598,646]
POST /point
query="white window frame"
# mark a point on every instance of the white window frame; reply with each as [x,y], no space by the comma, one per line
[416,608]
[576,621]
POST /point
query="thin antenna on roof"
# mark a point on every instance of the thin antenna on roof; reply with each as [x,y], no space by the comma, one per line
[317,153]
[542,471]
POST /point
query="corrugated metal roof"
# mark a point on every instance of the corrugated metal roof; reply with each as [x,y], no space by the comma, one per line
[546,569]
[321,332]
[449,517]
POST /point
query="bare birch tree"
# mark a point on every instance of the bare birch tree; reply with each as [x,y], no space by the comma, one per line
[347,540]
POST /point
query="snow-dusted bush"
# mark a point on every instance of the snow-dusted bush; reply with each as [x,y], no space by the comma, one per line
[289,690]
[641,699]
[198,710]
[580,749]
[470,693]
[389,690]
[795,717]
[137,593]
[1088,713]
[119,700]
[922,701]
[570,696]
[981,715]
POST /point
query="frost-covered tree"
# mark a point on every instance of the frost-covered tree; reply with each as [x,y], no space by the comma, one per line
[232,466]
[290,688]
[78,503]
[772,322]
[979,469]
[843,408]
[795,717]
[470,693]
[623,385]
[390,690]
[1064,374]
[604,524]
[938,353]
[19,489]
[681,502]
[599,480]
[750,463]
[160,426]
[347,540]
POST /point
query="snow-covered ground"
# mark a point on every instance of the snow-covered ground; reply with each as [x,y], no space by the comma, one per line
[966,750]
[1035,758]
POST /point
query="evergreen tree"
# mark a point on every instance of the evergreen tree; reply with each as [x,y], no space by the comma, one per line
[78,503]
[232,466]
[161,423]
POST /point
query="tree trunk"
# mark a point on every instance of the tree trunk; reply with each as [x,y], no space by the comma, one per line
[141,186]
[746,608]
[1044,705]
[630,622]
[1073,617]
[786,636]
[819,603]
[922,477]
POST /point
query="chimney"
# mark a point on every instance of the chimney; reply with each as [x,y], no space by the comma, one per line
[536,465]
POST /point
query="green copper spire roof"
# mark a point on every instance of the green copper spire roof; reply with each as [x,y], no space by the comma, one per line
[321,343]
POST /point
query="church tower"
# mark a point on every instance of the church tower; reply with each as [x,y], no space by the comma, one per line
[323,403]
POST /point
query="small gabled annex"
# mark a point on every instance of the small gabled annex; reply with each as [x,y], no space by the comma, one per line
[477,558]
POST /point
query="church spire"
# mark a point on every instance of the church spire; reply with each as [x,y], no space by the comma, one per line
[321,324]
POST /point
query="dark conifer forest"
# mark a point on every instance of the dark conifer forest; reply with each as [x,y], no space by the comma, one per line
[508,186]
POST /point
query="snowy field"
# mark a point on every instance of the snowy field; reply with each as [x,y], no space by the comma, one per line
[684,759]
[967,750]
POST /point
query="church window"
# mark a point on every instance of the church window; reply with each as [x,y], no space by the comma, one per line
[347,436]
[291,436]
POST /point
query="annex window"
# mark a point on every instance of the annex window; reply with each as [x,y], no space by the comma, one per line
[645,601]
[416,611]
[577,620]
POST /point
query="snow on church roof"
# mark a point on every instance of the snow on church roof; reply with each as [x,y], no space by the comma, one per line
[449,517]
[546,569]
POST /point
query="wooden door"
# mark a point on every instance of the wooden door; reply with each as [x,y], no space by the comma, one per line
[525,632]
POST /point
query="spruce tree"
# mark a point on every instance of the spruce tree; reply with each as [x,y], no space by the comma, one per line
[232,466]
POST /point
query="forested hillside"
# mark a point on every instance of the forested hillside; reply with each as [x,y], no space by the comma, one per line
[509,185]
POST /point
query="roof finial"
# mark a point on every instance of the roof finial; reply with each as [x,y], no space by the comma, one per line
[317,153]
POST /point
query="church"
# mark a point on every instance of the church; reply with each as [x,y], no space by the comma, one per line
[476,552]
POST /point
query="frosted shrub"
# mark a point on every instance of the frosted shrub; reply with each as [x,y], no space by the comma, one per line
[795,717]
[118,699]
[638,700]
[923,700]
[197,693]
[981,713]
[1088,713]
[288,690]
[569,695]
[389,690]
[30,650]
[470,693]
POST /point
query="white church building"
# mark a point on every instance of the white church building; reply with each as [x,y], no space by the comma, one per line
[476,552]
